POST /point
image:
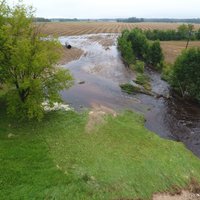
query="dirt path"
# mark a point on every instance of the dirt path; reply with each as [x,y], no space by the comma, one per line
[185,195]
[96,116]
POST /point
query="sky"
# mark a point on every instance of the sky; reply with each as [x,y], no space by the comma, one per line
[93,9]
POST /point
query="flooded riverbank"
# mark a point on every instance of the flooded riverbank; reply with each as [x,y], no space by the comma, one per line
[101,71]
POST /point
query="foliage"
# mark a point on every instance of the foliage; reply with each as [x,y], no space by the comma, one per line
[120,159]
[143,80]
[166,72]
[139,43]
[198,34]
[126,50]
[142,50]
[183,33]
[186,73]
[131,20]
[155,56]
[138,66]
[27,65]
[129,88]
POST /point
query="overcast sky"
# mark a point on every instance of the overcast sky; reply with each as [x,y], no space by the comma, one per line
[115,8]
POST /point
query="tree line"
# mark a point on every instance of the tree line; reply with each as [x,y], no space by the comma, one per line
[184,32]
[134,46]
[137,52]
[159,20]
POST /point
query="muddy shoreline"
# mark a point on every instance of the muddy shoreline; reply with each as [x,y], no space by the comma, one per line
[101,69]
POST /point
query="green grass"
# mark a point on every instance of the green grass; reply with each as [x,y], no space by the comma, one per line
[57,159]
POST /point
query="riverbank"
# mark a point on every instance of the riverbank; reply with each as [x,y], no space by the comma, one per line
[116,159]
[101,71]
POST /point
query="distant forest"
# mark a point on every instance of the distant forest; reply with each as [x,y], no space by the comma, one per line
[167,20]
[126,20]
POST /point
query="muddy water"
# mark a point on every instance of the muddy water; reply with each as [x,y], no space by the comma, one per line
[102,70]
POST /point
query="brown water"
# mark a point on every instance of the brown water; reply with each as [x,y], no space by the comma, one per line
[102,70]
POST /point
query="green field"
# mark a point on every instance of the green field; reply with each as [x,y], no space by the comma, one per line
[58,159]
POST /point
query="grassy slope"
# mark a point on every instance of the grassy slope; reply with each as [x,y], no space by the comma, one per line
[56,159]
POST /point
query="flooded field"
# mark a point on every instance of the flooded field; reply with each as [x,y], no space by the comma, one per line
[100,71]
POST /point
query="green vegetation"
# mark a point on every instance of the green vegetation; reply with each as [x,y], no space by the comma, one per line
[129,88]
[126,50]
[186,72]
[139,43]
[138,66]
[155,56]
[184,32]
[143,80]
[142,50]
[27,64]
[57,159]
[131,20]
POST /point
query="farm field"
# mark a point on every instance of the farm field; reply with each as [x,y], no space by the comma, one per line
[172,49]
[81,28]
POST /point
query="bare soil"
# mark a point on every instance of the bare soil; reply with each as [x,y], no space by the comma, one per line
[96,116]
[172,49]
[106,42]
[185,195]
[81,28]
[69,55]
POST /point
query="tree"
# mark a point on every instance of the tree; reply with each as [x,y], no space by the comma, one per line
[139,43]
[186,73]
[3,20]
[155,55]
[190,30]
[28,65]
[198,34]
[126,50]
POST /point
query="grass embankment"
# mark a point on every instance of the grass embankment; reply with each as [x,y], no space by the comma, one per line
[57,159]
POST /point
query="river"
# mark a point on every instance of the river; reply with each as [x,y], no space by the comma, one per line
[101,71]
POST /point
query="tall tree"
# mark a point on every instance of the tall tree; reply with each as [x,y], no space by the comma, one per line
[28,65]
[190,31]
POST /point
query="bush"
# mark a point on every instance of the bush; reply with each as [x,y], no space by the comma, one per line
[143,80]
[128,88]
[155,56]
[183,33]
[138,66]
[126,48]
[139,43]
[186,73]
[166,72]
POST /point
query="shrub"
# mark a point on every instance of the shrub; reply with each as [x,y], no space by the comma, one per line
[155,55]
[126,50]
[186,73]
[143,80]
[139,43]
[166,72]
[138,66]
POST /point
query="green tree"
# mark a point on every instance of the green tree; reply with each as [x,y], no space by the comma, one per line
[3,20]
[190,33]
[126,50]
[183,31]
[198,35]
[155,55]
[186,73]
[139,43]
[28,65]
